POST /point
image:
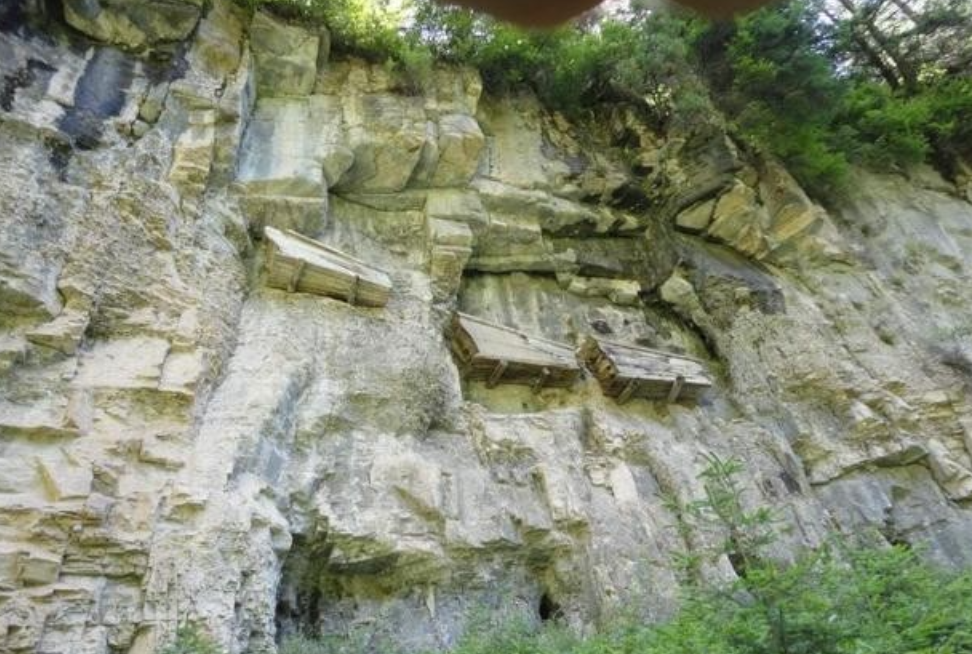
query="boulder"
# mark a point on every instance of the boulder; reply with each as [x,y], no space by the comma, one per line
[515,243]
[134,24]
[954,478]
[288,151]
[63,334]
[217,46]
[696,218]
[450,245]
[285,57]
[791,213]
[707,164]
[64,478]
[517,149]
[192,154]
[680,293]
[460,144]
[453,91]
[619,291]
[458,206]
[739,221]
[39,568]
[386,133]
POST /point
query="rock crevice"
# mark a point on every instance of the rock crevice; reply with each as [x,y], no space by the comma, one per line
[179,442]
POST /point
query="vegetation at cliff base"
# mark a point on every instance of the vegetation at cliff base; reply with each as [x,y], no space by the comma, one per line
[190,639]
[835,599]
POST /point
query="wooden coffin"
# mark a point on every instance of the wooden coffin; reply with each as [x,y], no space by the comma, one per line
[626,371]
[496,354]
[300,264]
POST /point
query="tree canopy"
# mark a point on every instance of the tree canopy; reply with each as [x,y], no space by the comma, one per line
[821,84]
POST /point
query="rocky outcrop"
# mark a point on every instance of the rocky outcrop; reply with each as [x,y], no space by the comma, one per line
[179,442]
[135,25]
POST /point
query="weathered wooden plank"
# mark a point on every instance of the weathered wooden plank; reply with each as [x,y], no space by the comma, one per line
[498,354]
[297,263]
[497,373]
[541,380]
[676,389]
[295,276]
[628,391]
[501,342]
[626,371]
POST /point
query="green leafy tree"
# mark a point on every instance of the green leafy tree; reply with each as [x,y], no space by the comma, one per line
[782,93]
[837,599]
[819,84]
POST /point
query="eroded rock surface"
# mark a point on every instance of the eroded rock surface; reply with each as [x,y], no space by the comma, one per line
[178,442]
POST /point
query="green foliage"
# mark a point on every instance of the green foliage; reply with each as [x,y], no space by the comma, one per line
[949,128]
[365,28]
[747,532]
[818,89]
[191,640]
[644,59]
[519,638]
[886,129]
[310,11]
[834,601]
[324,645]
[820,94]
[838,599]
[783,93]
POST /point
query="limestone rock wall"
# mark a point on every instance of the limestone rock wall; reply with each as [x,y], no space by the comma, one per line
[179,443]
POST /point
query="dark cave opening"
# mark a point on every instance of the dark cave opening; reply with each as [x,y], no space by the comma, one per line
[738,563]
[548,609]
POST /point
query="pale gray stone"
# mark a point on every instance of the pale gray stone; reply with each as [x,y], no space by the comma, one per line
[460,144]
[695,219]
[134,23]
[285,56]
[180,443]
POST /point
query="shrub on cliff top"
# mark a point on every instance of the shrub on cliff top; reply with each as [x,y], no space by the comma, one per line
[803,80]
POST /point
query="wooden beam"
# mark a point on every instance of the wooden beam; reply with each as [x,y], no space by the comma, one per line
[295,278]
[628,391]
[271,253]
[497,373]
[541,380]
[353,293]
[676,389]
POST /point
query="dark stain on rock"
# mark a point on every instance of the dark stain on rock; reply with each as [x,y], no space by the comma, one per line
[630,197]
[166,65]
[548,609]
[601,327]
[9,85]
[374,566]
[13,15]
[725,280]
[59,154]
[790,483]
[36,19]
[34,72]
[100,94]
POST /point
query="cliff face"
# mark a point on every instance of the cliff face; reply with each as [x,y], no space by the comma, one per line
[179,442]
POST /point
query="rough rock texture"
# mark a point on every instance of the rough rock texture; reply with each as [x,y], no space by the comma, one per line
[134,23]
[178,442]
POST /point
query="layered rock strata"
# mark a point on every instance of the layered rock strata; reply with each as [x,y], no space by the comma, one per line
[179,442]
